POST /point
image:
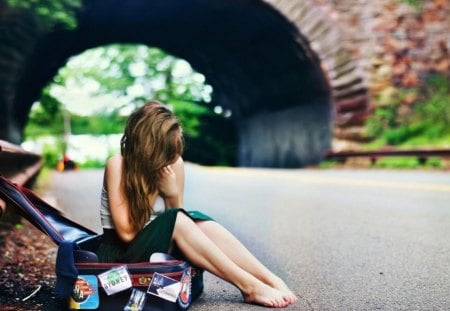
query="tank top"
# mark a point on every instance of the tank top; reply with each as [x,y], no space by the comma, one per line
[105,212]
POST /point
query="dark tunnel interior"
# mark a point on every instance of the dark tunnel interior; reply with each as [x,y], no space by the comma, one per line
[260,66]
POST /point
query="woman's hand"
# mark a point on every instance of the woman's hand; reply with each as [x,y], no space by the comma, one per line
[2,207]
[168,183]
[171,184]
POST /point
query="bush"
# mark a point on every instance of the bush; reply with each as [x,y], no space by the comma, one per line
[51,155]
[427,122]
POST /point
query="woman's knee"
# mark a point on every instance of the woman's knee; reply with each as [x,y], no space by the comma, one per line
[182,223]
[208,226]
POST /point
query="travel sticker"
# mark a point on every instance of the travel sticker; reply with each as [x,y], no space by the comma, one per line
[164,287]
[136,301]
[115,280]
[85,293]
[184,298]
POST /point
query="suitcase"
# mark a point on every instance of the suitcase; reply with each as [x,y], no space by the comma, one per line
[161,284]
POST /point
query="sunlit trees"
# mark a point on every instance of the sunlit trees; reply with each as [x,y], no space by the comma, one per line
[101,86]
[51,12]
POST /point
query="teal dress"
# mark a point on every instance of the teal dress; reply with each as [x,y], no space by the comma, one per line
[154,237]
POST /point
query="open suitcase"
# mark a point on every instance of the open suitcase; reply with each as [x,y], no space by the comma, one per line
[162,284]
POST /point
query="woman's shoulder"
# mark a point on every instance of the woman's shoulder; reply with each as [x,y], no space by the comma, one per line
[115,160]
[179,162]
[114,164]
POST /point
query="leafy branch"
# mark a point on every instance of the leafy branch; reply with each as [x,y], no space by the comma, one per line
[51,12]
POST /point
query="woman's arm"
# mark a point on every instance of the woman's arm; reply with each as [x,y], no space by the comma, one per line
[2,207]
[171,184]
[118,204]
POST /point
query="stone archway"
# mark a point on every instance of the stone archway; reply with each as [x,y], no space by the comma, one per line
[347,70]
[259,62]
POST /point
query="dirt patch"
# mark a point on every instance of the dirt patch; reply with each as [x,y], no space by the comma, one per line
[27,275]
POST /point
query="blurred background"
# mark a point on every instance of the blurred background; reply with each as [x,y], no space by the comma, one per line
[255,83]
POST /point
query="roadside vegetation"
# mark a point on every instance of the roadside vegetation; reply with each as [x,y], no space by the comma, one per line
[424,123]
[413,118]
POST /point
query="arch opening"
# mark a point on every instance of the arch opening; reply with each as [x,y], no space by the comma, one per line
[81,113]
[259,64]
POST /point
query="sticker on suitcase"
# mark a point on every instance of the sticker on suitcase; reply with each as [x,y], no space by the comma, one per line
[85,293]
[185,297]
[164,287]
[137,301]
[115,280]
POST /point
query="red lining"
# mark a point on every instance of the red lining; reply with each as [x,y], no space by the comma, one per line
[136,264]
[18,188]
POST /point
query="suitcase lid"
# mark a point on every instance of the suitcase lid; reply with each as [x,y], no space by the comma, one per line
[45,217]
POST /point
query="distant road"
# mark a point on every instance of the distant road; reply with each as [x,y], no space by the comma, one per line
[342,239]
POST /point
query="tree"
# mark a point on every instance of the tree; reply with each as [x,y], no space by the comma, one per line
[45,117]
[140,73]
[50,12]
[135,74]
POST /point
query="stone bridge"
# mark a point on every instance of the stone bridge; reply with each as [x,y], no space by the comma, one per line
[300,76]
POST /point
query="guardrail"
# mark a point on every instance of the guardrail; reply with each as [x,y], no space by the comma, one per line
[421,154]
[18,164]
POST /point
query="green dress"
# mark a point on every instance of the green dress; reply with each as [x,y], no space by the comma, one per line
[155,237]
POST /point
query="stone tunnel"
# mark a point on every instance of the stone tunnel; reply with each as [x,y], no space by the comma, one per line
[283,67]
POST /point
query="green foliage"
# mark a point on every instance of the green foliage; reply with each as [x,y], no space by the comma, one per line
[100,124]
[407,162]
[383,118]
[52,154]
[391,162]
[138,74]
[435,110]
[329,164]
[418,4]
[92,163]
[401,133]
[189,114]
[46,117]
[51,12]
[427,123]
[136,71]
[387,114]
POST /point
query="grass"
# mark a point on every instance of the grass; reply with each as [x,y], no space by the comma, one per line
[393,162]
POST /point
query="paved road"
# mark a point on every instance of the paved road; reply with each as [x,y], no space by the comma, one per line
[342,239]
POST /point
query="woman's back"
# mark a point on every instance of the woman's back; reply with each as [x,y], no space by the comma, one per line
[105,212]
[114,167]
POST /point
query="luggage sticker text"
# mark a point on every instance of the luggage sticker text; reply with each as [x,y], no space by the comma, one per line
[115,280]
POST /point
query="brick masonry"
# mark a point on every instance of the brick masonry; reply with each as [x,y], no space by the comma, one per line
[370,48]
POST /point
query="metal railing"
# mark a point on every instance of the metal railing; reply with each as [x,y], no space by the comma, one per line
[17,164]
[421,154]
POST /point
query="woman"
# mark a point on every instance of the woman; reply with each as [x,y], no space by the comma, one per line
[142,213]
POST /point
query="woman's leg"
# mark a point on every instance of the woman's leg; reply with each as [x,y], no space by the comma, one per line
[238,253]
[202,252]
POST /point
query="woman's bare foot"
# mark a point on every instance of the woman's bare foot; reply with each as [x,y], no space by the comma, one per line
[266,296]
[281,286]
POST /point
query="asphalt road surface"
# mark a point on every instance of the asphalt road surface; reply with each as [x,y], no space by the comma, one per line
[341,239]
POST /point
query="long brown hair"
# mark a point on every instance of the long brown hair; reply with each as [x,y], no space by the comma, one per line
[152,139]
